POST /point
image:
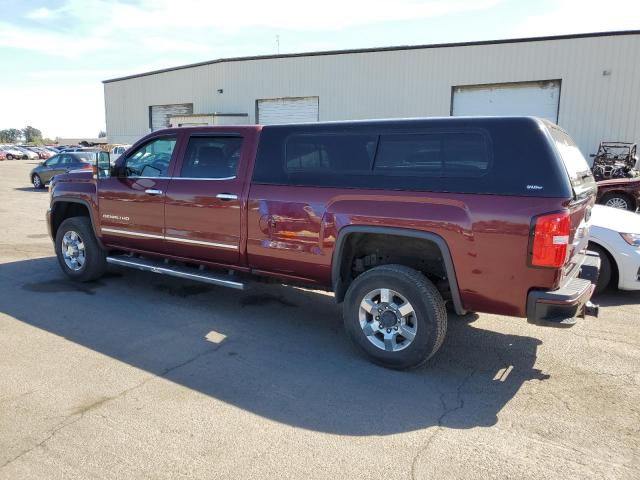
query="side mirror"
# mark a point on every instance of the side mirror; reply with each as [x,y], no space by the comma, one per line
[103,166]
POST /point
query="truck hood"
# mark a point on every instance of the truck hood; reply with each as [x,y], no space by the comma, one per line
[80,175]
[615,219]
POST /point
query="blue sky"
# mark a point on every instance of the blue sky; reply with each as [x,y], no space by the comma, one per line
[54,54]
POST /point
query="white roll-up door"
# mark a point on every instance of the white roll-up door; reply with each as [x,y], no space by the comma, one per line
[159,114]
[273,111]
[539,99]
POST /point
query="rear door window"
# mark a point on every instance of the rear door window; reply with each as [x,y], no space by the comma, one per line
[212,158]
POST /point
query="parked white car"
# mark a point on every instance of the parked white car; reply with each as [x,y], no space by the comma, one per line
[615,235]
[116,151]
[28,153]
[13,152]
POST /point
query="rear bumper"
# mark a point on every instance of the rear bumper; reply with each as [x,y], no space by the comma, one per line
[560,307]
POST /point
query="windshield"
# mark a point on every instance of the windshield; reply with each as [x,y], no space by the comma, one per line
[579,172]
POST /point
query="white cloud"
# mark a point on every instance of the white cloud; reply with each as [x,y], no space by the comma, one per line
[69,110]
[170,26]
[48,42]
[285,14]
[40,13]
[581,16]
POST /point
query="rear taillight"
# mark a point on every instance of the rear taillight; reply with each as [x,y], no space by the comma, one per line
[550,240]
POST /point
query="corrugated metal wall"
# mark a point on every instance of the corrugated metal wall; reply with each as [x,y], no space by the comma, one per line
[405,83]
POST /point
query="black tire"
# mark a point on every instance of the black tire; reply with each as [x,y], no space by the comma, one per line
[427,303]
[604,278]
[9,156]
[620,198]
[95,264]
[37,181]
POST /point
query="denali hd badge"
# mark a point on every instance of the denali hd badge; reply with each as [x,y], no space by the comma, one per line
[115,217]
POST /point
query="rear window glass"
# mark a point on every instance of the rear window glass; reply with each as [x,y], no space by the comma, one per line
[88,157]
[576,165]
[437,154]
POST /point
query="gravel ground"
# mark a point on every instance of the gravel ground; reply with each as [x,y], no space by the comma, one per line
[142,376]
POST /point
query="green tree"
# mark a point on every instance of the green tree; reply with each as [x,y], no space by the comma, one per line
[32,135]
[10,135]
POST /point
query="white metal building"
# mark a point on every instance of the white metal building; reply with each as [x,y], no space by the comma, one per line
[589,84]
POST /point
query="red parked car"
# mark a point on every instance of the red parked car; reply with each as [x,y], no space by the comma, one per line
[620,193]
[3,155]
[398,218]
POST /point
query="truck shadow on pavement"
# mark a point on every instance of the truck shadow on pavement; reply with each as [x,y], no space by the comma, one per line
[275,351]
[616,298]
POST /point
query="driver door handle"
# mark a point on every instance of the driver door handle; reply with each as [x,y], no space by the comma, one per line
[153,191]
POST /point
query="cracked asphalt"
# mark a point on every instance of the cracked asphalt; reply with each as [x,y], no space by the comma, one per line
[140,376]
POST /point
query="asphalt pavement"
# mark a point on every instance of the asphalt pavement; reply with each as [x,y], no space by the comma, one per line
[143,376]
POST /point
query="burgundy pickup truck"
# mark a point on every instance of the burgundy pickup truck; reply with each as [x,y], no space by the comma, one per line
[399,218]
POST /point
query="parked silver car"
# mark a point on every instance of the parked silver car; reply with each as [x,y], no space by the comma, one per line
[61,163]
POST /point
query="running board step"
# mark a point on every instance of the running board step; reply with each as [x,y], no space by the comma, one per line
[163,268]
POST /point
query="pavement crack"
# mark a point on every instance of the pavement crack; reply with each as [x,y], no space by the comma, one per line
[42,443]
[446,411]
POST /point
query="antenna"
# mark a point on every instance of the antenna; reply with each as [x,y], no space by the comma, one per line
[278,44]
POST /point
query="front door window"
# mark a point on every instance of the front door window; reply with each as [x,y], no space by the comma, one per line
[151,160]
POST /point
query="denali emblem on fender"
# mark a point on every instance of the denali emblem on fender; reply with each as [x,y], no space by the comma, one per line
[534,187]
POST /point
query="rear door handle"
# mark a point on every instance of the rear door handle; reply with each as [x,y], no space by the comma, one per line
[227,196]
[153,191]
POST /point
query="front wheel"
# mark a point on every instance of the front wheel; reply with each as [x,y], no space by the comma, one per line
[396,316]
[604,278]
[78,251]
[618,200]
[37,181]
[9,156]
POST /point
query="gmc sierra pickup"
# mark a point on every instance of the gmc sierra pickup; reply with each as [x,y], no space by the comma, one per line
[398,218]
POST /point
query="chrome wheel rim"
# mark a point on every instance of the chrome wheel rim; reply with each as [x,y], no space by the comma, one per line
[73,251]
[36,181]
[617,202]
[388,320]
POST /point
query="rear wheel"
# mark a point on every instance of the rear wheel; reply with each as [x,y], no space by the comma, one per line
[618,200]
[9,156]
[395,316]
[78,251]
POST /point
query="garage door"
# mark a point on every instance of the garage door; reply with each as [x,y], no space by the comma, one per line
[159,114]
[272,111]
[540,99]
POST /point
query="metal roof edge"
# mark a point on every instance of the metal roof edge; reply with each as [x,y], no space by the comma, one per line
[379,49]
